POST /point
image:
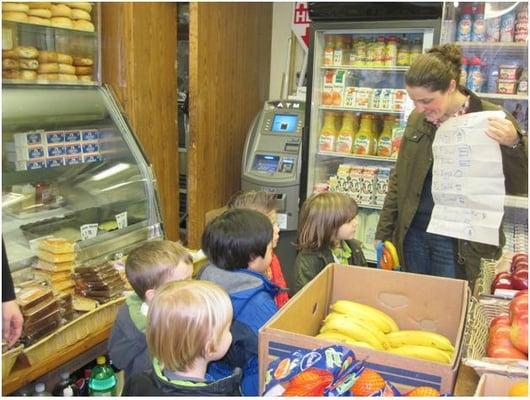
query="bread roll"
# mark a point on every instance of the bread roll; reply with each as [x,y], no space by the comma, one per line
[64,59]
[39,21]
[62,22]
[82,25]
[81,6]
[84,78]
[15,16]
[10,54]
[40,5]
[48,77]
[47,56]
[27,75]
[48,68]
[83,70]
[61,10]
[9,64]
[66,77]
[26,52]
[66,69]
[40,12]
[30,64]
[18,7]
[83,61]
[10,74]
[80,14]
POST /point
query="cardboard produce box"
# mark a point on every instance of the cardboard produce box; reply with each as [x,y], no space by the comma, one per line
[414,301]
[495,385]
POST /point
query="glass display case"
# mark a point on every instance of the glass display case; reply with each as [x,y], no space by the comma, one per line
[47,49]
[72,168]
[358,109]
[493,37]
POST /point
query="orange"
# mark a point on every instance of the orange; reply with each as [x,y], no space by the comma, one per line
[311,382]
[423,391]
[519,389]
[367,383]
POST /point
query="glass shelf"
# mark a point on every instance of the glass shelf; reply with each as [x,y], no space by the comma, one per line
[355,156]
[363,110]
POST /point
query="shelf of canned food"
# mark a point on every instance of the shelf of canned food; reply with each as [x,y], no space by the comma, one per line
[355,156]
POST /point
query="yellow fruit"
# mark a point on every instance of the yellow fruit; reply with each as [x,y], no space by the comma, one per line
[352,329]
[384,322]
[422,352]
[420,338]
[519,389]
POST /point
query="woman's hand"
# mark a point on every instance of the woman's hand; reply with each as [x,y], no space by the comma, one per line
[502,131]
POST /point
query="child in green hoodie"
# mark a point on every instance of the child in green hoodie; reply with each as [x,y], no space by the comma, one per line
[147,267]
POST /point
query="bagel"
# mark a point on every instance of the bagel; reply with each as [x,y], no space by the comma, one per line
[30,64]
[40,12]
[15,16]
[82,25]
[47,56]
[39,21]
[9,64]
[80,14]
[27,75]
[61,10]
[80,6]
[26,52]
[83,70]
[16,7]
[62,22]
[64,59]
[66,69]
[40,5]
[83,62]
[48,68]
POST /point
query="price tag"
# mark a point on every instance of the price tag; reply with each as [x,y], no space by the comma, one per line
[121,219]
[89,231]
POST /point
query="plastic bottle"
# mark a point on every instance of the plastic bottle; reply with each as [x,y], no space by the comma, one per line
[463,72]
[403,55]
[338,51]
[391,50]
[346,134]
[522,87]
[40,390]
[463,29]
[346,49]
[379,52]
[474,75]
[65,382]
[364,139]
[102,379]
[493,29]
[384,143]
[328,50]
[328,133]
[493,78]
[508,26]
[415,51]
[370,54]
[360,53]
[478,31]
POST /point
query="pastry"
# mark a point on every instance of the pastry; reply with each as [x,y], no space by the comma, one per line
[28,63]
[83,61]
[27,75]
[10,64]
[18,7]
[40,12]
[83,25]
[80,14]
[61,10]
[47,68]
[66,77]
[15,16]
[62,22]
[26,52]
[47,56]
[57,245]
[64,59]
[81,6]
[10,74]
[9,54]
[84,78]
[83,70]
[66,69]
[39,21]
[47,77]
[40,5]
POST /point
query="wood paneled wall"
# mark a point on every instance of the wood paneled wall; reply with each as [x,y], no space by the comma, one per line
[139,42]
[229,81]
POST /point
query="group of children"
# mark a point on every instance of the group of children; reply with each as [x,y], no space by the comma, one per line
[179,336]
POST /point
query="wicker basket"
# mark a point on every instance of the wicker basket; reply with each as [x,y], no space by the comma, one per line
[8,360]
[488,270]
[73,331]
[475,341]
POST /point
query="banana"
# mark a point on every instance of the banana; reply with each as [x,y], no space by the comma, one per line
[355,331]
[419,338]
[390,246]
[364,322]
[422,352]
[336,336]
[382,320]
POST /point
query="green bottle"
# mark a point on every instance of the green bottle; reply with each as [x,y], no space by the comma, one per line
[102,380]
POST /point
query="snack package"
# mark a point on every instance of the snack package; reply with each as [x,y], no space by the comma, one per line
[329,371]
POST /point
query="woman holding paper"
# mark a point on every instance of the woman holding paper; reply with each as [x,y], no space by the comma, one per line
[432,84]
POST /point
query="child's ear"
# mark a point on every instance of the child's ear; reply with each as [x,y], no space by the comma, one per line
[149,294]
[210,349]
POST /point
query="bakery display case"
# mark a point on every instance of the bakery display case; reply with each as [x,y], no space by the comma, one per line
[47,43]
[73,169]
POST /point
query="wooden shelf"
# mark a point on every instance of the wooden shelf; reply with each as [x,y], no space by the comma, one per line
[22,373]
[500,96]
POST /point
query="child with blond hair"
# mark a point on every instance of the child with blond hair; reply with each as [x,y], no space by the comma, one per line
[326,231]
[188,326]
[147,267]
[265,203]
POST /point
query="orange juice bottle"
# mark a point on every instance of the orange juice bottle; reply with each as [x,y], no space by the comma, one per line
[346,134]
[329,47]
[365,139]
[328,133]
[384,144]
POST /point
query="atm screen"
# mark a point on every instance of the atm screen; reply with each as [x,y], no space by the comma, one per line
[265,163]
[284,123]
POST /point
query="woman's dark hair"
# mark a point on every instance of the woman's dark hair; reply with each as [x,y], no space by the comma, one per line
[436,68]
[236,237]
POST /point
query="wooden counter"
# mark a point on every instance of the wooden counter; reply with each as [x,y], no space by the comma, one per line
[83,352]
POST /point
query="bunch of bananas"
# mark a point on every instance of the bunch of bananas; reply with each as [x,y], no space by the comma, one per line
[358,324]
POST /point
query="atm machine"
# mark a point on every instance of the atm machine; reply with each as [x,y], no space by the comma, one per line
[272,162]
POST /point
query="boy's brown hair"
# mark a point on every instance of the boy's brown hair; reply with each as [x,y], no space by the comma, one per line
[151,264]
[255,200]
[186,321]
[321,216]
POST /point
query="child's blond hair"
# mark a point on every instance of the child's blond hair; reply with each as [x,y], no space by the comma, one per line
[152,264]
[186,320]
[255,200]
[321,216]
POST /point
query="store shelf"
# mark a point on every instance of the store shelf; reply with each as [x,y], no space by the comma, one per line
[364,110]
[370,206]
[516,202]
[355,156]
[45,81]
[500,96]
[351,67]
[46,30]
[498,45]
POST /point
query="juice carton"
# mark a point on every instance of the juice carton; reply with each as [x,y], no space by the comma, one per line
[327,88]
[381,185]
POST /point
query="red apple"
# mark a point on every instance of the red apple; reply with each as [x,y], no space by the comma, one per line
[519,256]
[503,279]
[519,332]
[520,261]
[520,266]
[502,351]
[520,293]
[518,305]
[499,334]
[501,319]
[520,279]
